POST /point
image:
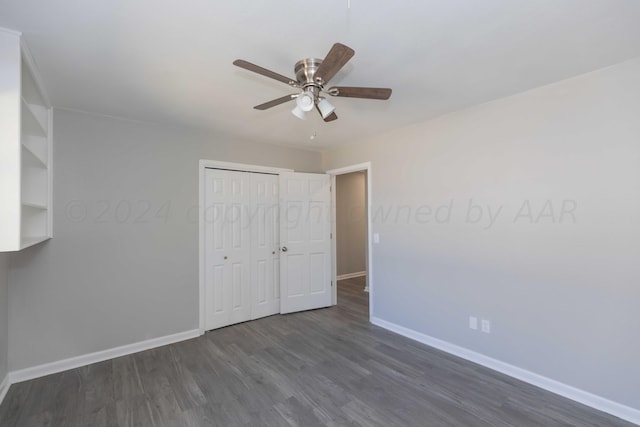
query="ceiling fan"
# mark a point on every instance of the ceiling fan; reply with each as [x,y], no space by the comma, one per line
[312,75]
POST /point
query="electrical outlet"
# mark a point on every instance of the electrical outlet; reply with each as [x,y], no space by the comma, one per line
[486,326]
[473,322]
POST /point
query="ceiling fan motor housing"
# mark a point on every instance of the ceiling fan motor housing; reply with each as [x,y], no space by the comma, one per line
[305,70]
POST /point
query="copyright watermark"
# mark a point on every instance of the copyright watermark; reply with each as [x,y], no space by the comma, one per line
[469,212]
[119,212]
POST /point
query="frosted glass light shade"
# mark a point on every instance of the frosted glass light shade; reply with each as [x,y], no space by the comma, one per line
[325,108]
[305,101]
[299,113]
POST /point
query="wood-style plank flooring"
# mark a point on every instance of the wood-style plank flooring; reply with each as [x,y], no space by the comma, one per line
[327,367]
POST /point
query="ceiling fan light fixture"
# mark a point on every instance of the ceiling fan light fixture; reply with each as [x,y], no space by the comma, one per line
[312,74]
[299,113]
[325,107]
[305,101]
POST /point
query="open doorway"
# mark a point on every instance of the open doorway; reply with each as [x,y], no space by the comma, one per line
[351,231]
[351,227]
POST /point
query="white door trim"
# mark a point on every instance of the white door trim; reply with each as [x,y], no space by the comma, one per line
[202,166]
[366,166]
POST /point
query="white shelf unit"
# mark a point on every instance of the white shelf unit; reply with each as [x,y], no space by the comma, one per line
[25,149]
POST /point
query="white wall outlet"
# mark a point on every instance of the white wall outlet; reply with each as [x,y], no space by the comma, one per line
[376,238]
[473,322]
[486,326]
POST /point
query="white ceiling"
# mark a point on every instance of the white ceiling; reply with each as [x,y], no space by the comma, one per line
[171,62]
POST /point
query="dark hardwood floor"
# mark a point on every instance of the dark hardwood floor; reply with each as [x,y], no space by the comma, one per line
[323,367]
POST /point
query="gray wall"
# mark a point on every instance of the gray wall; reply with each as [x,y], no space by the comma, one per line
[351,223]
[4,314]
[123,265]
[563,296]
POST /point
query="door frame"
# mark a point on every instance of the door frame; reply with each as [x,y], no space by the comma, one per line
[366,166]
[203,165]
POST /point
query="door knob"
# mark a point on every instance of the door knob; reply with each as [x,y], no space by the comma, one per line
[225,257]
[284,249]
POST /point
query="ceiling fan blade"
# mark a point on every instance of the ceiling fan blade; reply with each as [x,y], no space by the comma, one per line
[360,92]
[267,73]
[337,57]
[331,117]
[275,102]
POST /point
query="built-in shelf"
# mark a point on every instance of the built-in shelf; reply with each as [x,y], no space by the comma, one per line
[34,205]
[31,123]
[30,159]
[25,150]
[37,147]
[30,241]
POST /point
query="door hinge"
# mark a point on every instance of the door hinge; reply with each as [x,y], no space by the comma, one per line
[332,283]
[331,235]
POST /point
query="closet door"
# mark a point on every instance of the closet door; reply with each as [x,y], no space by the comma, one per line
[265,242]
[227,248]
[305,237]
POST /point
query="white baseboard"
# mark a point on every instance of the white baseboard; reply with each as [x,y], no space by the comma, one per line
[600,403]
[99,356]
[4,387]
[351,275]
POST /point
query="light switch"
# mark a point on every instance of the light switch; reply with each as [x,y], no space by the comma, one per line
[376,238]
[473,322]
[486,326]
